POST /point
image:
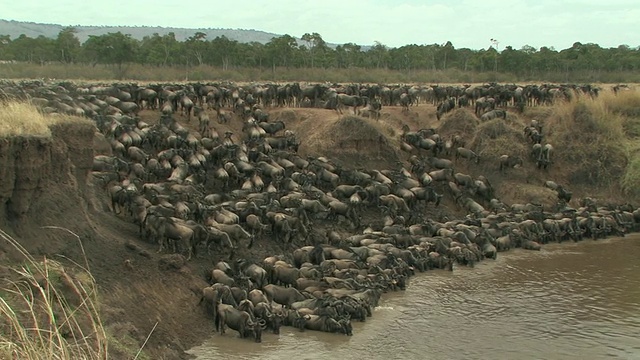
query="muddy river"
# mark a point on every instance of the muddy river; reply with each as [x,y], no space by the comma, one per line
[568,301]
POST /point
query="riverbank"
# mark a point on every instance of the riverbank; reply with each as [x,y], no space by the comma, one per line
[152,299]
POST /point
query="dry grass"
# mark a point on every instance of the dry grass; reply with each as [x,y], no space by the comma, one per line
[23,119]
[349,139]
[499,137]
[460,122]
[49,312]
[349,128]
[137,72]
[595,140]
[625,102]
[532,193]
[589,140]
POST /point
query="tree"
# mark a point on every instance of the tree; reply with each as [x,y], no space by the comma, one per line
[379,54]
[40,49]
[353,54]
[465,55]
[314,44]
[160,50]
[196,46]
[492,52]
[528,50]
[448,51]
[255,54]
[224,50]
[68,45]
[280,50]
[112,48]
[5,48]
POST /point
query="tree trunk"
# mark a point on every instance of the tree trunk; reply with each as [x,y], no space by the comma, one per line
[198,56]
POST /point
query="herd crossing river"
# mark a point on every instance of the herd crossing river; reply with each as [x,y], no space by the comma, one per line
[568,301]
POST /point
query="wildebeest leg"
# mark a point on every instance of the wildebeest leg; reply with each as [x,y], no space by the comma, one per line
[162,242]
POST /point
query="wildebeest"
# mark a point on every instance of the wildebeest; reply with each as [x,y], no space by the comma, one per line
[544,159]
[467,154]
[445,106]
[284,296]
[509,161]
[494,114]
[241,321]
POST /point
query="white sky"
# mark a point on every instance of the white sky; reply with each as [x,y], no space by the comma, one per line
[466,23]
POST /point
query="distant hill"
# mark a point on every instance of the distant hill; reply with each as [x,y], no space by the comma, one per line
[31,29]
[16,28]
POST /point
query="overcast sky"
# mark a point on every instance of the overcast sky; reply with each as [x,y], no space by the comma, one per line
[466,23]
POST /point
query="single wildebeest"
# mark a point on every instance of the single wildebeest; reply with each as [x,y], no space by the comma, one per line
[241,321]
[445,106]
[536,149]
[509,161]
[467,154]
[203,119]
[283,295]
[441,175]
[493,114]
[544,159]
[551,185]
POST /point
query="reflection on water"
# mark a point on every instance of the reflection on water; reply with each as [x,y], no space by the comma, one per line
[568,301]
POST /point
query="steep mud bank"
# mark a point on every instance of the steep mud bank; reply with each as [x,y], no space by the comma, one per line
[46,188]
[43,181]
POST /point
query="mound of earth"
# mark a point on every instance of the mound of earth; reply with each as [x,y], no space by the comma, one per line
[533,193]
[356,142]
[591,151]
[499,137]
[460,122]
[349,141]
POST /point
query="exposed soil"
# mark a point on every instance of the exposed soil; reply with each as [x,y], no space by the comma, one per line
[48,182]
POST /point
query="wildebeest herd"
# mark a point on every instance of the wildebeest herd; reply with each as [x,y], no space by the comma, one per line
[347,235]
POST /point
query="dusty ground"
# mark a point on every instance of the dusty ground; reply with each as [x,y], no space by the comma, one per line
[140,288]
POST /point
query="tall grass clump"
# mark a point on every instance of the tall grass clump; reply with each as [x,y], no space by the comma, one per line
[498,137]
[625,102]
[20,118]
[460,122]
[48,312]
[589,140]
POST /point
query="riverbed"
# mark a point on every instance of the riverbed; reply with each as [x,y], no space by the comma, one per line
[567,301]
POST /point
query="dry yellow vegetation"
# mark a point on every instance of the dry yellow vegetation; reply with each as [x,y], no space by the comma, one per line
[24,119]
[49,312]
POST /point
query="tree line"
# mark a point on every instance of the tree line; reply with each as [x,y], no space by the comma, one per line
[311,51]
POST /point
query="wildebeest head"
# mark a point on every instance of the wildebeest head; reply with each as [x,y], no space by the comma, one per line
[256,328]
[276,322]
[438,198]
[347,329]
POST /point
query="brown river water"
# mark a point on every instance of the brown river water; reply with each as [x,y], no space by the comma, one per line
[568,301]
